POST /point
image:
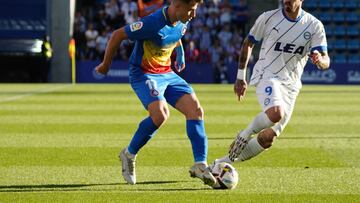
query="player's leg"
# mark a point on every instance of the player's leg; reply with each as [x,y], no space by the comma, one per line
[243,141]
[266,137]
[180,95]
[158,114]
[262,121]
[189,105]
[270,98]
[257,144]
[153,100]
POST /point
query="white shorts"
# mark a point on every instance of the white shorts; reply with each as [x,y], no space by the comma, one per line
[273,93]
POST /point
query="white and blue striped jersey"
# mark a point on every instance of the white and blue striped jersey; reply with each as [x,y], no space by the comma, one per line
[285,45]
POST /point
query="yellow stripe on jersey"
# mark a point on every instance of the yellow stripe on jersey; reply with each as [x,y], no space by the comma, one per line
[155,56]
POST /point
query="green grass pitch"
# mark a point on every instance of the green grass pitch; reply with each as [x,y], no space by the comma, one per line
[59,143]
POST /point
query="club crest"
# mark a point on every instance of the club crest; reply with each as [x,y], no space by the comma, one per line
[136,26]
[307,35]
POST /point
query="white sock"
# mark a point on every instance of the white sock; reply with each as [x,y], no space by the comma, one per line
[260,122]
[224,159]
[253,148]
[201,162]
[129,155]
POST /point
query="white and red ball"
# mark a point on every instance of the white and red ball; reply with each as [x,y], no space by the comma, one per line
[226,175]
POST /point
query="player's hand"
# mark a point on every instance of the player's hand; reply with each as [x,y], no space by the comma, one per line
[100,71]
[102,68]
[315,57]
[179,66]
[180,59]
[240,87]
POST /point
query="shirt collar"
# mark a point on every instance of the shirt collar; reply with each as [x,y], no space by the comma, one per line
[297,19]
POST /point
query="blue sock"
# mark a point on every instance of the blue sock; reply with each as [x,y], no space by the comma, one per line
[196,132]
[144,133]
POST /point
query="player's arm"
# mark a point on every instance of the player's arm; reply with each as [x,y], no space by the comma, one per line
[318,53]
[245,53]
[115,40]
[140,30]
[320,59]
[180,57]
[255,35]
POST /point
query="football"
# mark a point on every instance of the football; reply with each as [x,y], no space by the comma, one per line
[226,175]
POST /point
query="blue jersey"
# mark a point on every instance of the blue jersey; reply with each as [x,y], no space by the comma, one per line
[156,39]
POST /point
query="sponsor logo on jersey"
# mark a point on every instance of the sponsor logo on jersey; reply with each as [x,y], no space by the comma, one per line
[136,26]
[277,30]
[289,48]
[307,35]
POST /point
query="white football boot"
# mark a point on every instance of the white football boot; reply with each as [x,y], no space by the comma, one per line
[211,166]
[237,146]
[200,170]
[128,167]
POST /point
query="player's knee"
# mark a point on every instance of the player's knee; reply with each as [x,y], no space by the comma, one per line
[275,117]
[266,138]
[200,112]
[160,117]
[275,114]
[195,113]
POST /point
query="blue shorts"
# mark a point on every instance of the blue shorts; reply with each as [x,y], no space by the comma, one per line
[153,87]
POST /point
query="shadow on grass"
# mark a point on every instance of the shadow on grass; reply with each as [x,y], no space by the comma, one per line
[160,182]
[171,189]
[291,138]
[282,138]
[89,187]
[48,187]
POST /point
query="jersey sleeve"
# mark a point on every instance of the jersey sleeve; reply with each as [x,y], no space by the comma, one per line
[257,32]
[318,40]
[140,30]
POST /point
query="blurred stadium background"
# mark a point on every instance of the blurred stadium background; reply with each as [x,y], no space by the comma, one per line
[35,39]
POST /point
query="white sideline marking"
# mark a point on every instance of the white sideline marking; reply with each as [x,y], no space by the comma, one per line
[21,96]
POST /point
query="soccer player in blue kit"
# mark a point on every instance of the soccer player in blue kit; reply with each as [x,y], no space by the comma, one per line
[154,82]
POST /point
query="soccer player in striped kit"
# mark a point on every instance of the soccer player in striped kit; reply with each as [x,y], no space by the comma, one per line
[156,85]
[289,37]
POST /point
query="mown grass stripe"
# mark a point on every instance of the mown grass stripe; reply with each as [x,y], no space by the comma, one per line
[107,179]
[65,143]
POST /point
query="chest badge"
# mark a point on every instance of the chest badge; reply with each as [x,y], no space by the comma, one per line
[307,35]
[136,26]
